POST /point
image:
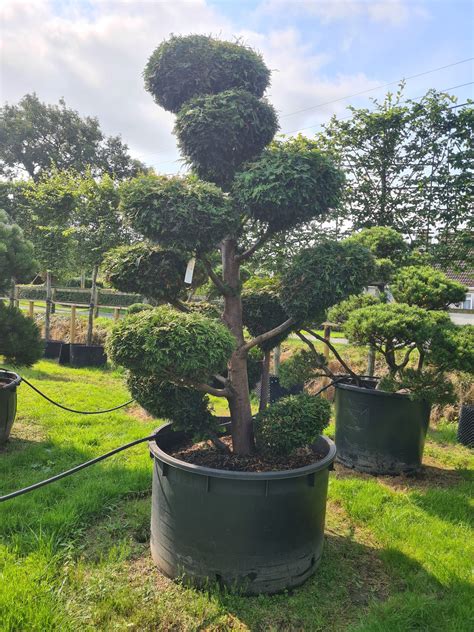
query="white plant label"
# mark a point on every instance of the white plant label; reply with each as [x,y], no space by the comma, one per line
[188,277]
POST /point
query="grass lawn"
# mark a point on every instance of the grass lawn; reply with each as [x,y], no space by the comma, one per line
[74,555]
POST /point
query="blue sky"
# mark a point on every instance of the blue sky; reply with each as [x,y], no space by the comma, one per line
[92,53]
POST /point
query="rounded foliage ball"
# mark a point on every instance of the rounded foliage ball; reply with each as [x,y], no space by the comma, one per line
[186,408]
[262,311]
[291,423]
[171,345]
[139,307]
[338,314]
[185,67]
[148,270]
[301,367]
[290,183]
[20,338]
[178,213]
[426,287]
[219,132]
[383,242]
[322,276]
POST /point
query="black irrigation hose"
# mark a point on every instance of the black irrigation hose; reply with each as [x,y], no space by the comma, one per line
[73,470]
[72,410]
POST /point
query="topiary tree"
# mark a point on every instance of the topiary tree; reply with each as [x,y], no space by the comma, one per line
[239,181]
[338,314]
[426,287]
[20,341]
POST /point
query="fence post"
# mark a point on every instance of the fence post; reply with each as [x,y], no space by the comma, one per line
[371,361]
[277,360]
[12,292]
[72,329]
[116,313]
[31,309]
[47,316]
[90,325]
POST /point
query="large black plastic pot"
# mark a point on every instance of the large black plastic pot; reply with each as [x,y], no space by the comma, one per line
[87,355]
[466,425]
[253,532]
[65,353]
[9,382]
[52,349]
[379,432]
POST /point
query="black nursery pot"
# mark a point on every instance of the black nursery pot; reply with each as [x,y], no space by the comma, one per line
[65,353]
[9,382]
[379,432]
[87,355]
[466,426]
[255,532]
[52,349]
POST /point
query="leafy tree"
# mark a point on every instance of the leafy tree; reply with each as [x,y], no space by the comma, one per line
[36,137]
[426,287]
[16,253]
[408,165]
[224,128]
[20,341]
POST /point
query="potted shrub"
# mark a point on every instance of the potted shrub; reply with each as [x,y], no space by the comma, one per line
[381,424]
[20,341]
[229,510]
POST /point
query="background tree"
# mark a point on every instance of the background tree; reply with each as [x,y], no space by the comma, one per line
[408,166]
[20,341]
[35,137]
[426,287]
[223,128]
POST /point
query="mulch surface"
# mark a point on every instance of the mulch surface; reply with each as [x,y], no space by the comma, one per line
[206,455]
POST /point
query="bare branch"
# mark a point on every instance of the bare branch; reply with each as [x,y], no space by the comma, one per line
[207,388]
[260,241]
[268,334]
[336,354]
[218,282]
[308,342]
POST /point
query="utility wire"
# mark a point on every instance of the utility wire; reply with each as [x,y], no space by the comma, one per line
[383,85]
[344,118]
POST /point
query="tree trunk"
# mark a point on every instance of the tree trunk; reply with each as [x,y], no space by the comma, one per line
[239,400]
[265,382]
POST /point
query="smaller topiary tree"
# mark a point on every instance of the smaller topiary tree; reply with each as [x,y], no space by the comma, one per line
[20,341]
[426,287]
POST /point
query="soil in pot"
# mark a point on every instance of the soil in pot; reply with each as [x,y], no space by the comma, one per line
[379,432]
[250,531]
[8,397]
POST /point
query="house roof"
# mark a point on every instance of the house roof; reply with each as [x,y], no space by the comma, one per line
[463,275]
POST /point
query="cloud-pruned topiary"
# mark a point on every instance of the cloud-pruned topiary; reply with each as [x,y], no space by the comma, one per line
[214,133]
[178,212]
[426,287]
[135,308]
[453,348]
[20,338]
[170,345]
[301,367]
[320,277]
[290,183]
[183,67]
[383,242]
[291,423]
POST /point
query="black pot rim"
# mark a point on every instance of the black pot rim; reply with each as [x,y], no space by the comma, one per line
[81,344]
[161,455]
[13,379]
[371,391]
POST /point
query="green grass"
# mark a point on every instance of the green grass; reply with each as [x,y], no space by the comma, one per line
[74,555]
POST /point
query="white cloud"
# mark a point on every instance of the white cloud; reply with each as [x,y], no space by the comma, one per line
[93,55]
[394,12]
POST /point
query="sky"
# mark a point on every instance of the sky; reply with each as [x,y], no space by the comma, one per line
[321,53]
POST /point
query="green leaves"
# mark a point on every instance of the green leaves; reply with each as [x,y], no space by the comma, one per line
[16,253]
[292,182]
[170,345]
[182,68]
[426,287]
[178,213]
[322,276]
[217,133]
[148,270]
[262,311]
[20,339]
[291,423]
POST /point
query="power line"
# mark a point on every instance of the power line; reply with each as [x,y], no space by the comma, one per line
[383,85]
[344,118]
